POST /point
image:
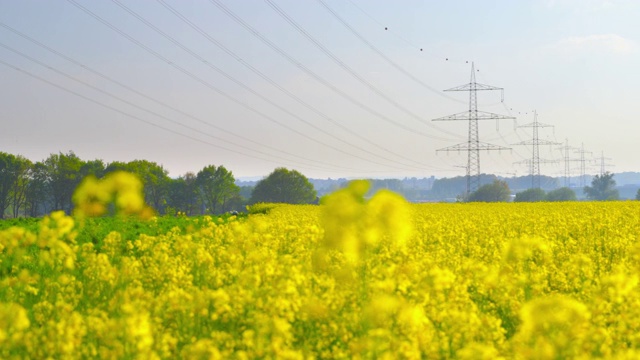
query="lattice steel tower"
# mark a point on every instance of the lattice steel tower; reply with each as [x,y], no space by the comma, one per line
[567,161]
[603,163]
[473,145]
[536,142]
[583,167]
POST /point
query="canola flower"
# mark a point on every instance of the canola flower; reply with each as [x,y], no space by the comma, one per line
[352,278]
[119,189]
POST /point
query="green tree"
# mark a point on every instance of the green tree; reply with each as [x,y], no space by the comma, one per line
[117,166]
[284,186]
[10,172]
[93,167]
[37,195]
[246,191]
[217,187]
[18,192]
[530,195]
[498,191]
[451,187]
[236,203]
[561,194]
[638,195]
[602,188]
[176,199]
[154,177]
[183,194]
[63,175]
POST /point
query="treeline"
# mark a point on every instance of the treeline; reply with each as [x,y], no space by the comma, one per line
[412,189]
[32,189]
[450,188]
[431,189]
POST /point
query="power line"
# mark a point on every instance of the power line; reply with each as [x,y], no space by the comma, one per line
[147,110]
[244,86]
[388,29]
[382,54]
[158,102]
[514,132]
[382,25]
[136,117]
[287,92]
[315,76]
[249,89]
[348,69]
[207,84]
[386,58]
[425,49]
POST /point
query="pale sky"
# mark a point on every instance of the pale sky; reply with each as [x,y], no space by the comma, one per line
[331,88]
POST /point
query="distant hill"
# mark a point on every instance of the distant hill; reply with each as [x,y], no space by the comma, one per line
[627,178]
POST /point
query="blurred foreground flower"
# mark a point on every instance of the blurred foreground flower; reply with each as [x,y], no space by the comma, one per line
[353,225]
[119,189]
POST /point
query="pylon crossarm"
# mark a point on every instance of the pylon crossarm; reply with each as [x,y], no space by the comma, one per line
[458,147]
[547,142]
[475,115]
[472,147]
[486,146]
[535,124]
[474,86]
[538,142]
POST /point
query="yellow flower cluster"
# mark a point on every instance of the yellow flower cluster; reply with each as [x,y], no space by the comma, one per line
[356,226]
[351,278]
[121,189]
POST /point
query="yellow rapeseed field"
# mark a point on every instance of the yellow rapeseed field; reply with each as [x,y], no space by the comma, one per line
[351,278]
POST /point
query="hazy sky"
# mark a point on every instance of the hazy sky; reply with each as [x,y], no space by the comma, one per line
[332,88]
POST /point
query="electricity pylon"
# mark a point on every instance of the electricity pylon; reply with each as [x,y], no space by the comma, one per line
[567,161]
[583,167]
[527,162]
[473,144]
[536,142]
[603,163]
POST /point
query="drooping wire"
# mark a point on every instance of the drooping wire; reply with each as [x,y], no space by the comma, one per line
[124,113]
[156,101]
[142,108]
[351,71]
[384,56]
[390,30]
[318,78]
[239,83]
[290,94]
[207,84]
